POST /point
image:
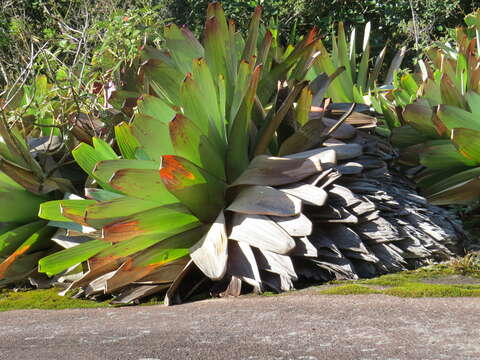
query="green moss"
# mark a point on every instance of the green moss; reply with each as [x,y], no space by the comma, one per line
[43,299]
[412,283]
[349,289]
[432,290]
[398,279]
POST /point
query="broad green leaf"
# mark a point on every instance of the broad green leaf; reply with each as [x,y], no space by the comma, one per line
[104,170]
[101,195]
[65,259]
[343,51]
[450,94]
[339,90]
[163,222]
[406,135]
[142,184]
[156,108]
[200,111]
[419,116]
[164,79]
[452,179]
[251,43]
[155,257]
[153,135]
[473,99]
[373,77]
[461,193]
[200,192]
[18,205]
[208,92]
[303,108]
[450,117]
[192,144]
[467,142]
[87,157]
[106,212]
[55,210]
[39,240]
[239,139]
[12,239]
[441,154]
[127,143]
[183,46]
[219,47]
[241,87]
[364,62]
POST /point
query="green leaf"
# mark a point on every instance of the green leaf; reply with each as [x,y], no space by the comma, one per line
[163,222]
[156,108]
[192,144]
[467,142]
[450,117]
[18,205]
[452,179]
[65,259]
[461,193]
[364,62]
[473,99]
[197,109]
[39,240]
[450,94]
[153,135]
[304,105]
[56,210]
[164,79]
[155,257]
[142,184]
[208,92]
[406,135]
[103,213]
[200,192]
[183,46]
[239,139]
[127,143]
[419,116]
[441,154]
[87,157]
[251,43]
[104,170]
[11,240]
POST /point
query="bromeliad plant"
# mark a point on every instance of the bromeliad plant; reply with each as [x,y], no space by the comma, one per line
[24,185]
[441,121]
[360,78]
[200,121]
[196,196]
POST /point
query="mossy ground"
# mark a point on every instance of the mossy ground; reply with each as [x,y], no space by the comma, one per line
[424,282]
[46,299]
[463,277]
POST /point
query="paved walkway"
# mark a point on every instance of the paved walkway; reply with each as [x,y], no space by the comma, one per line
[297,326]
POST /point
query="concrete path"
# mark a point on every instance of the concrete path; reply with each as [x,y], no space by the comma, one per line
[301,326]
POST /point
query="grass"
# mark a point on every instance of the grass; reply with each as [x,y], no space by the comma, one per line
[43,299]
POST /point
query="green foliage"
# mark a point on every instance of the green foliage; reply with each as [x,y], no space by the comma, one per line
[439,108]
[392,20]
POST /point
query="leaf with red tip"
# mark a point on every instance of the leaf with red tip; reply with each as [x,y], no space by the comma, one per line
[192,144]
[163,221]
[183,45]
[142,184]
[199,191]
